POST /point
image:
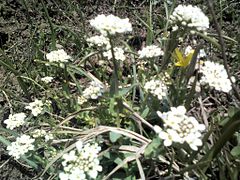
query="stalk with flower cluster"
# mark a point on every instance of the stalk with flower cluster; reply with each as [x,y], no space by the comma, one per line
[109,26]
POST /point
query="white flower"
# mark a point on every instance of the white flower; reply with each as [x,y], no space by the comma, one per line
[63,176]
[157,88]
[81,100]
[118,53]
[71,156]
[82,163]
[150,52]
[49,137]
[79,145]
[15,120]
[21,146]
[189,16]
[191,83]
[99,41]
[111,24]
[47,79]
[188,50]
[38,133]
[180,128]
[169,136]
[77,174]
[157,129]
[193,142]
[216,76]
[36,107]
[201,53]
[93,91]
[58,56]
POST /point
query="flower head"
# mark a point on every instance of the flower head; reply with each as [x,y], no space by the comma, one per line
[58,56]
[15,120]
[183,60]
[47,79]
[38,133]
[22,145]
[99,41]
[180,128]
[118,53]
[157,88]
[36,107]
[189,16]
[111,24]
[82,163]
[94,90]
[216,76]
[150,52]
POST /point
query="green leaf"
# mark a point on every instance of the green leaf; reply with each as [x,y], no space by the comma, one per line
[232,126]
[153,147]
[145,112]
[114,136]
[236,151]
[15,134]
[124,91]
[4,141]
[232,110]
[29,162]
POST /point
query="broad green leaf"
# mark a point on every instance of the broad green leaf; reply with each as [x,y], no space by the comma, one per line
[145,112]
[236,151]
[4,141]
[114,136]
[153,147]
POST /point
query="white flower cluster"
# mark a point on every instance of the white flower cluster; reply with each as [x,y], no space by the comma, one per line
[118,53]
[99,41]
[216,76]
[157,88]
[47,79]
[22,145]
[94,90]
[150,52]
[201,53]
[38,133]
[81,100]
[180,128]
[111,24]
[58,56]
[36,107]
[49,137]
[189,16]
[81,164]
[15,120]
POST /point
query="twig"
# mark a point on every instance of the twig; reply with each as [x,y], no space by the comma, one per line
[137,116]
[8,101]
[73,115]
[223,47]
[140,169]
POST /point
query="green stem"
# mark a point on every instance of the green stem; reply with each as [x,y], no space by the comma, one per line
[53,35]
[115,69]
[229,129]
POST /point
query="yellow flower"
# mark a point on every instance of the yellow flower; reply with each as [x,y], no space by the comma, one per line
[182,60]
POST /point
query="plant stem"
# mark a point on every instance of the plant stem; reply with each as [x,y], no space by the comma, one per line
[115,68]
[223,47]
